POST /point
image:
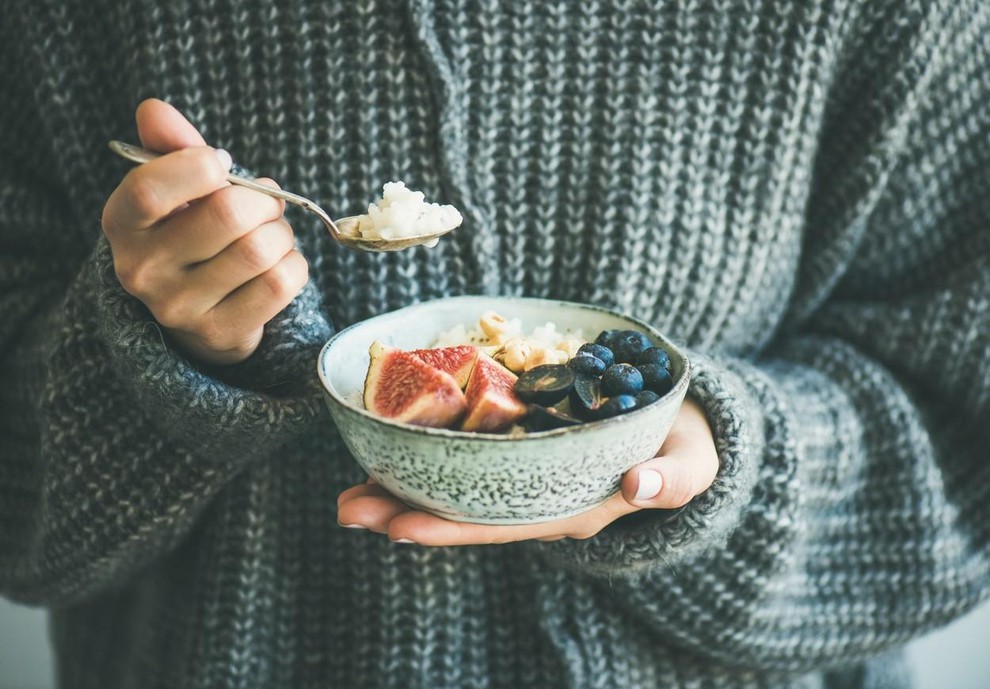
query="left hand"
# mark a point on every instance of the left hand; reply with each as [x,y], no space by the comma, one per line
[685,467]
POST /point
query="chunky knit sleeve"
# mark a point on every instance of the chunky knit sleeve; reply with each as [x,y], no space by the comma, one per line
[852,509]
[112,443]
[134,440]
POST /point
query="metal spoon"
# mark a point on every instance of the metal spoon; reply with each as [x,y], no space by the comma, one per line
[344,231]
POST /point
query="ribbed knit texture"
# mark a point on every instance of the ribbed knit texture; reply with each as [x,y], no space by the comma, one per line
[797,191]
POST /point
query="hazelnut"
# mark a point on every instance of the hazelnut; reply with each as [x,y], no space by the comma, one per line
[492,324]
[569,347]
[515,354]
[539,356]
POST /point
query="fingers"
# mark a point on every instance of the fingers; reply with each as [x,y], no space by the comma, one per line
[663,483]
[257,301]
[428,529]
[231,330]
[153,190]
[241,227]
[368,506]
[162,128]
[180,298]
[210,225]
[212,262]
[248,257]
[360,491]
[371,506]
[217,317]
[685,468]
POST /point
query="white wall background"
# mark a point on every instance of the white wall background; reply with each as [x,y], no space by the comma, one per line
[957,657]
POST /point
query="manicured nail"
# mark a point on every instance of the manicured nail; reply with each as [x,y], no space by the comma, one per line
[650,483]
[402,540]
[225,159]
[353,526]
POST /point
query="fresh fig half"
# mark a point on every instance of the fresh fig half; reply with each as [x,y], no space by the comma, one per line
[457,361]
[400,386]
[492,406]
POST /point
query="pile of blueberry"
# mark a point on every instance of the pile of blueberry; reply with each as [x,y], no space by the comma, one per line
[618,372]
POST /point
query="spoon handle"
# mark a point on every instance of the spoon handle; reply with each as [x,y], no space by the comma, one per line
[137,154]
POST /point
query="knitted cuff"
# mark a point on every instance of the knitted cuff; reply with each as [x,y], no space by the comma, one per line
[653,539]
[269,399]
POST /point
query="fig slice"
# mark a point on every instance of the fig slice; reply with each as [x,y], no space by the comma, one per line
[457,361]
[400,386]
[492,406]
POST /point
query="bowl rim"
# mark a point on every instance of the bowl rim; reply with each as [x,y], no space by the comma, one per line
[678,389]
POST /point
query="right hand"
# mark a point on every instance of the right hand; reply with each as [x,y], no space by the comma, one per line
[213,262]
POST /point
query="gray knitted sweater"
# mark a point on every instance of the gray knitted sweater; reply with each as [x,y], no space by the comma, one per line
[797,191]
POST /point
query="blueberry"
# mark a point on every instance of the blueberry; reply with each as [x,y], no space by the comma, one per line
[656,378]
[599,351]
[606,338]
[587,364]
[654,355]
[629,345]
[646,397]
[614,406]
[621,379]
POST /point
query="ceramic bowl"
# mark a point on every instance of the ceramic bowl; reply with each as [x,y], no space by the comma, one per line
[482,477]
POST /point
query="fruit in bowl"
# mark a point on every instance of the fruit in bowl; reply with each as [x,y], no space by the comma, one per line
[450,429]
[470,386]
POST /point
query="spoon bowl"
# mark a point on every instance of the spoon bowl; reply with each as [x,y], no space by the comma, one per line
[343,231]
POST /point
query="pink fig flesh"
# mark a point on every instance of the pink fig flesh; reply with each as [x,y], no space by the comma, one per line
[492,406]
[400,386]
[457,361]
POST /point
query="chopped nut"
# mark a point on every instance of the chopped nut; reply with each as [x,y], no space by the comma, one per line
[539,356]
[500,338]
[517,351]
[569,347]
[493,324]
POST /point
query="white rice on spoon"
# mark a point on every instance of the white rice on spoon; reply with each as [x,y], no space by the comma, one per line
[402,212]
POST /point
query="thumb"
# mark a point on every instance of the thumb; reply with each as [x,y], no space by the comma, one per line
[686,467]
[162,128]
[665,482]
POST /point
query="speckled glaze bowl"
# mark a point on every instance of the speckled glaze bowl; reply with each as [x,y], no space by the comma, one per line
[482,477]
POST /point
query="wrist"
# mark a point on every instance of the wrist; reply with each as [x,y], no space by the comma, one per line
[199,351]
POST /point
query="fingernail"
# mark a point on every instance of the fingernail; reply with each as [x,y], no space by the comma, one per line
[353,526]
[402,540]
[225,159]
[650,483]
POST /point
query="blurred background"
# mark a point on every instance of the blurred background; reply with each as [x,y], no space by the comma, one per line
[957,657]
